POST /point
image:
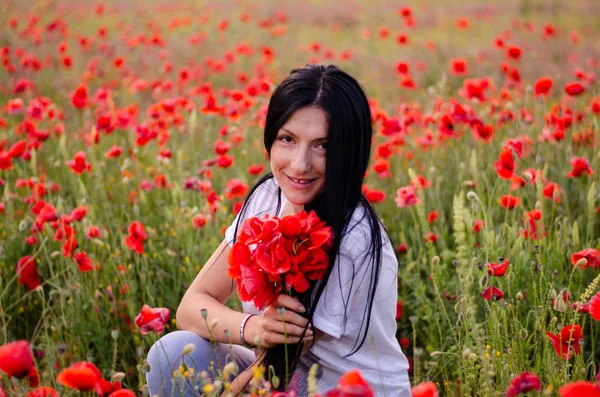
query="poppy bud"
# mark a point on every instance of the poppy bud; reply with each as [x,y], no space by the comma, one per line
[117,377]
[471,195]
[466,353]
[204,313]
[519,296]
[581,263]
[230,368]
[188,349]
[559,305]
[435,260]
[436,354]
[523,333]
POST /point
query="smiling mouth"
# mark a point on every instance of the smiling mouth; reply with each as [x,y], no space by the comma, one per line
[302,181]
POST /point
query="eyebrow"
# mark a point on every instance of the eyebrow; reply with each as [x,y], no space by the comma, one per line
[294,135]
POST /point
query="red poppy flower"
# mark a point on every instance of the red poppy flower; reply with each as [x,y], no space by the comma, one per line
[93,232]
[122,393]
[79,164]
[199,221]
[254,285]
[463,23]
[402,67]
[255,169]
[83,261]
[458,67]
[567,341]
[79,213]
[16,359]
[399,307]
[235,188]
[224,161]
[574,89]
[594,307]
[27,272]
[591,254]
[505,165]
[552,191]
[425,389]
[152,319]
[79,97]
[374,195]
[509,202]
[113,152]
[18,148]
[402,248]
[401,39]
[579,388]
[69,246]
[382,168]
[516,182]
[407,197]
[483,132]
[580,166]
[353,384]
[420,182]
[542,86]
[5,160]
[44,391]
[492,293]
[135,238]
[513,52]
[497,269]
[523,383]
[432,216]
[221,147]
[478,225]
[532,229]
[83,376]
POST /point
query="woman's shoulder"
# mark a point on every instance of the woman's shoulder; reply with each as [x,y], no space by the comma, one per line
[264,198]
[357,238]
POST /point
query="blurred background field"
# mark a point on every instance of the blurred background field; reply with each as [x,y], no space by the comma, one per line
[176,84]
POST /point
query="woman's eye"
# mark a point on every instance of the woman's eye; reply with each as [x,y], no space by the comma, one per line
[323,145]
[286,139]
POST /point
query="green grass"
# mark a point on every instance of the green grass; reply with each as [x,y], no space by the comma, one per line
[481,344]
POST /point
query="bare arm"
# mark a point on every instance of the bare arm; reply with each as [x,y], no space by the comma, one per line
[211,288]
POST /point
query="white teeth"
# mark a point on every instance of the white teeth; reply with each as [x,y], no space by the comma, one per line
[304,182]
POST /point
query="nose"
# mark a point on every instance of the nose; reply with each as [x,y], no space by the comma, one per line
[300,163]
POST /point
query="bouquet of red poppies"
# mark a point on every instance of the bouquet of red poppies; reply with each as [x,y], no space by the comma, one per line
[274,255]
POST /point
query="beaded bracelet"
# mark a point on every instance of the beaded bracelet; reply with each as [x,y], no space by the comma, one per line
[244,343]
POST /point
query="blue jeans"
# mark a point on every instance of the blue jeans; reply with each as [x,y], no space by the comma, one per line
[165,357]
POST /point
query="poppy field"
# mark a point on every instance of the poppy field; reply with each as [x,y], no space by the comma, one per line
[131,132]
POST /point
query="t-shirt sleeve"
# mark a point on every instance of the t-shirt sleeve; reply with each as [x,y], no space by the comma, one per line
[341,308]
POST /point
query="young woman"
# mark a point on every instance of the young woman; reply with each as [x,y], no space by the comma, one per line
[318,136]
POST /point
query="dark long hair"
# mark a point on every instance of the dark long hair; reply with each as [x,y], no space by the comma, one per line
[348,150]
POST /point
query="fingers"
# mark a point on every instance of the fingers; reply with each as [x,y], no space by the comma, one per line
[286,328]
[285,315]
[289,303]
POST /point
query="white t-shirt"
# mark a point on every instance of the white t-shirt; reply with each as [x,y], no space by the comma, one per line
[380,358]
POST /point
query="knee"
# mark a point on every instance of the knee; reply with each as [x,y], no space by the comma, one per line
[166,354]
[170,348]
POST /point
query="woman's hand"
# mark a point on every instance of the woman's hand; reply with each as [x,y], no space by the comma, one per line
[279,323]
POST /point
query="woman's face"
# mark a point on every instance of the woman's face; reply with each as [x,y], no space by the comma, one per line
[298,156]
